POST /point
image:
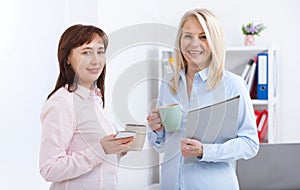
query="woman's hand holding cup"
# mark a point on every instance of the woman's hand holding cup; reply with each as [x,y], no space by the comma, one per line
[154,120]
[111,145]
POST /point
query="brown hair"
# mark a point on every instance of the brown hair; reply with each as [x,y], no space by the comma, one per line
[73,37]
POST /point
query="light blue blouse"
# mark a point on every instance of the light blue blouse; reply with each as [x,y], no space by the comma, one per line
[216,169]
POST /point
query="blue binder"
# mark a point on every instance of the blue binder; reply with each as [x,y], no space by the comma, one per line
[262,76]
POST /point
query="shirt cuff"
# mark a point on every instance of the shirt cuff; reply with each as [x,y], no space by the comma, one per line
[210,152]
[205,150]
[160,134]
[157,138]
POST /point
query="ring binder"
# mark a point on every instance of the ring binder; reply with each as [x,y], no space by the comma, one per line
[262,77]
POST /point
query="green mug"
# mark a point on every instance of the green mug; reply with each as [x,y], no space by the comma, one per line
[170,116]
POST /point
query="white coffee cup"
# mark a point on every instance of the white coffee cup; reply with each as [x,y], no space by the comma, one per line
[139,140]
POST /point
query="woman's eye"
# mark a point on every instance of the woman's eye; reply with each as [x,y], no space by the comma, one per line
[202,37]
[187,36]
[101,52]
[87,52]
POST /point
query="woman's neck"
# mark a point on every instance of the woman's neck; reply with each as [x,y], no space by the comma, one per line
[190,73]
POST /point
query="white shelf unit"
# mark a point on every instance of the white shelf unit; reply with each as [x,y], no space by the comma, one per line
[236,59]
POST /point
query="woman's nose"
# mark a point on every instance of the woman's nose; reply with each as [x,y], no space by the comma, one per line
[195,41]
[95,58]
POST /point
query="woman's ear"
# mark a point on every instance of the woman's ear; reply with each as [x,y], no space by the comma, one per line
[68,63]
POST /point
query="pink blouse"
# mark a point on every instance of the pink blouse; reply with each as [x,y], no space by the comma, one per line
[71,156]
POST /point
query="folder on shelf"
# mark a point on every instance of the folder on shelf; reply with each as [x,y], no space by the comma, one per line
[247,69]
[252,74]
[253,90]
[262,76]
[257,115]
[262,125]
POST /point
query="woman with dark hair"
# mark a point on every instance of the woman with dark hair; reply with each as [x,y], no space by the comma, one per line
[78,146]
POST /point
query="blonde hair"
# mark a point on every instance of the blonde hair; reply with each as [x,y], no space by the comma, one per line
[216,43]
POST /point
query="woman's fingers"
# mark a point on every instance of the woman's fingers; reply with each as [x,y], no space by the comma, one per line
[191,147]
[125,140]
[114,146]
[154,120]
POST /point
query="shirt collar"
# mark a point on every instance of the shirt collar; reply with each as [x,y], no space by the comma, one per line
[83,92]
[182,74]
[203,74]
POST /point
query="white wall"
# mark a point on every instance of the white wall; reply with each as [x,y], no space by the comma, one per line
[29,37]
[129,57]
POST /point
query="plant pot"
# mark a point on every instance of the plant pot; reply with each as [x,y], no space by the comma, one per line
[249,40]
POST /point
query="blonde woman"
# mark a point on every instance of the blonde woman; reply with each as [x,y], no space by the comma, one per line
[200,80]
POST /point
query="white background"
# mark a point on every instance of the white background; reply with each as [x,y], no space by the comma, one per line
[30,31]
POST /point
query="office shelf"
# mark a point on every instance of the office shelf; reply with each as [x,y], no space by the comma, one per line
[236,59]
